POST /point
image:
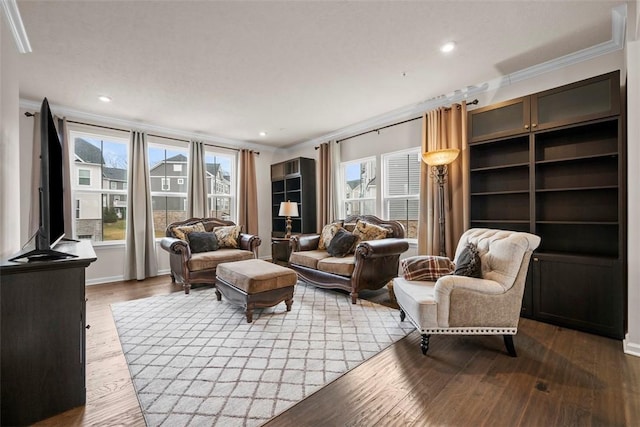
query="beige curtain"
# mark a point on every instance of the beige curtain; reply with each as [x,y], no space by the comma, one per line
[140,249]
[329,197]
[34,209]
[444,128]
[248,195]
[197,189]
[63,134]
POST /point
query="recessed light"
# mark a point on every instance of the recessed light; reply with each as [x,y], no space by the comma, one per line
[447,47]
[262,133]
[104,98]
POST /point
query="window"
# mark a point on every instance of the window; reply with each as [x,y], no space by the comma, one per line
[180,181]
[166,184]
[100,203]
[359,187]
[84,177]
[168,204]
[221,182]
[401,191]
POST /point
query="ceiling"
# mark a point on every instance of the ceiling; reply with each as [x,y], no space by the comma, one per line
[296,70]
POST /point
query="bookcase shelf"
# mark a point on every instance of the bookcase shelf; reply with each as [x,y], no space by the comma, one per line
[560,176]
[295,181]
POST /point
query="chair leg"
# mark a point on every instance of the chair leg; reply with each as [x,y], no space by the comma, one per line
[508,342]
[402,315]
[424,343]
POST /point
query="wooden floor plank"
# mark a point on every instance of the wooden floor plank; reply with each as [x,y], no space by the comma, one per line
[560,377]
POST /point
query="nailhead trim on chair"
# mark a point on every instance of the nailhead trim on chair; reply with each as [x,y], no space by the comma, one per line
[471,331]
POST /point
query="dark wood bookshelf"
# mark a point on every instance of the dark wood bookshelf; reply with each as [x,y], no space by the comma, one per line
[553,164]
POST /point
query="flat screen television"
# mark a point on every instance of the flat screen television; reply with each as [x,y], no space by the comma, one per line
[51,209]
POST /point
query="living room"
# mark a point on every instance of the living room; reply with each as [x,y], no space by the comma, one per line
[17,131]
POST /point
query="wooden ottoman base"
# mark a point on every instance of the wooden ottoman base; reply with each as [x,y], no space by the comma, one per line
[255,284]
[251,301]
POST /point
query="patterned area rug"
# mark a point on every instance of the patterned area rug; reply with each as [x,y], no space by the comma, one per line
[195,361]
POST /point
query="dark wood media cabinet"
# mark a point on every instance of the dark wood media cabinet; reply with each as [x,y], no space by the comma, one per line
[43,335]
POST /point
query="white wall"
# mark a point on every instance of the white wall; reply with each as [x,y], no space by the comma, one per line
[632,341]
[9,144]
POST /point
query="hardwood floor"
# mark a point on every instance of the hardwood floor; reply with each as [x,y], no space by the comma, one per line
[561,377]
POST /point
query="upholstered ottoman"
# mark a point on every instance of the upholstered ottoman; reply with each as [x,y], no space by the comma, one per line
[255,283]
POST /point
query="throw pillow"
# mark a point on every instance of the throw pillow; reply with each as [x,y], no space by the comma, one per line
[181,231]
[202,241]
[468,262]
[343,243]
[426,267]
[368,231]
[228,236]
[328,231]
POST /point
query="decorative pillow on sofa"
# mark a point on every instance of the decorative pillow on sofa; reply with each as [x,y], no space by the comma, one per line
[468,262]
[202,241]
[368,231]
[181,231]
[426,267]
[328,231]
[228,235]
[343,243]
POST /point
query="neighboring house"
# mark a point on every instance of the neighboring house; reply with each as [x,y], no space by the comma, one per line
[115,179]
[86,175]
[89,174]
[170,176]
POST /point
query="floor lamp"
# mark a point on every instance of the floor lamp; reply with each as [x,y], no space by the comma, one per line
[438,160]
[288,209]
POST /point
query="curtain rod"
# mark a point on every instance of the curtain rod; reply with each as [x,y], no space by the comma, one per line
[474,102]
[29,114]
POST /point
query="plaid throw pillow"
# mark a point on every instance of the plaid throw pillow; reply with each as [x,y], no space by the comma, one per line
[426,267]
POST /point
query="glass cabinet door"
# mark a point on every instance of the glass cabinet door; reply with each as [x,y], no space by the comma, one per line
[495,121]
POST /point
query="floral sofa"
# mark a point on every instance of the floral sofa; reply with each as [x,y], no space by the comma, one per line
[370,265]
[195,260]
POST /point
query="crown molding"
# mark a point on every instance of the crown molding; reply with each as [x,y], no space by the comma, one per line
[98,119]
[14,20]
[618,31]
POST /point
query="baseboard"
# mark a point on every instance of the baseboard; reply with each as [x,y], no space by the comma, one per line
[110,279]
[631,348]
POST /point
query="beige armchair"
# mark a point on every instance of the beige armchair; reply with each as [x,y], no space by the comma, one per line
[489,305]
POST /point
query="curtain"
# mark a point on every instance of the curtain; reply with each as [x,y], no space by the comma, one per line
[197,190]
[329,198]
[444,128]
[34,209]
[140,249]
[248,194]
[63,134]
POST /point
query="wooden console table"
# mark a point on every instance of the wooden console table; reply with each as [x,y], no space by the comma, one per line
[43,335]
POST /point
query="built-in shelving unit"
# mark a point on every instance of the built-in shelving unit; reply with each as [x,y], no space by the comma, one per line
[553,164]
[295,181]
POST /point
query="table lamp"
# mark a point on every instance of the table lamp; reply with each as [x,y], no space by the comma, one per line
[288,209]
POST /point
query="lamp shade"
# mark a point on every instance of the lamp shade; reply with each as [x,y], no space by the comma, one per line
[288,209]
[440,157]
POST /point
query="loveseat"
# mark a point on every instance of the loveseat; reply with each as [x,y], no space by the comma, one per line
[199,266]
[371,265]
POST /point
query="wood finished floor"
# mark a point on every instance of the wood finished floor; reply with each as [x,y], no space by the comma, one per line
[561,377]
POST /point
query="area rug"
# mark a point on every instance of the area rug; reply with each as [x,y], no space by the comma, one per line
[196,361]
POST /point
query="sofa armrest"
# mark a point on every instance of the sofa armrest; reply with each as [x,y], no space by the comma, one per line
[307,242]
[250,242]
[176,246]
[381,248]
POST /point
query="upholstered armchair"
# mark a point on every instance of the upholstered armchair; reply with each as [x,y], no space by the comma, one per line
[459,304]
[189,267]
